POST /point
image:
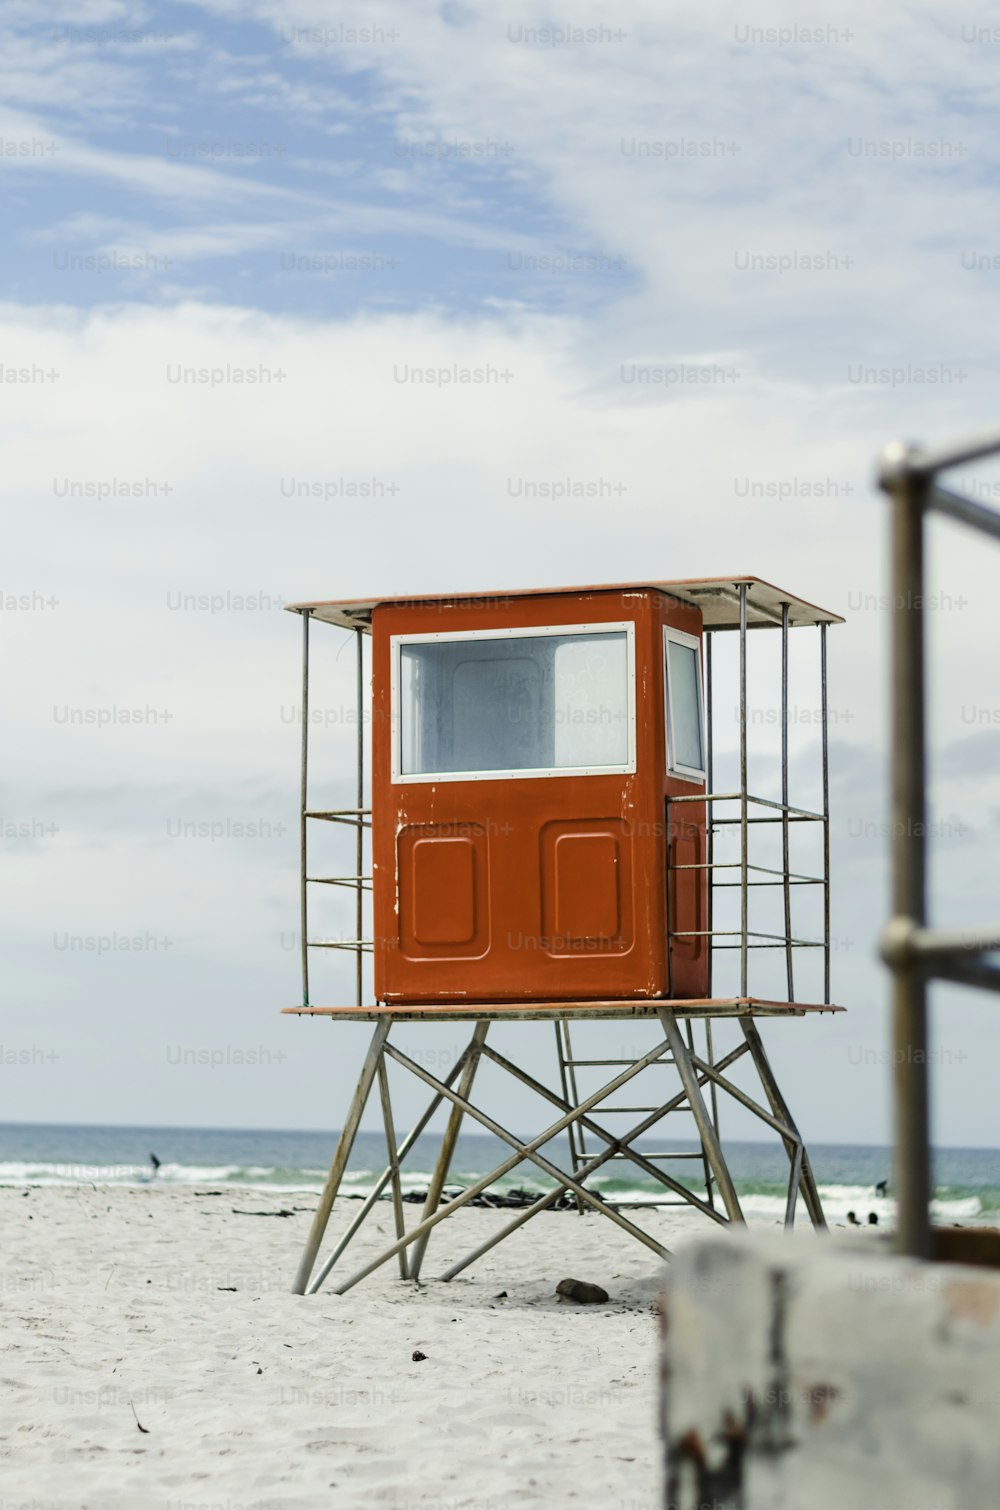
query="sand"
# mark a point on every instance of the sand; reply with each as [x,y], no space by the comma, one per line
[255,1399]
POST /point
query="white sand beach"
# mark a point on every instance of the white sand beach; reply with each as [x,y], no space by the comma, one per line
[162,1307]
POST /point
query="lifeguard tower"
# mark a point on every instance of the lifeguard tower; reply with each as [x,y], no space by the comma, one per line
[547,845]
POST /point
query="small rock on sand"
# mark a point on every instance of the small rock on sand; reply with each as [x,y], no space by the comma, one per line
[583,1293]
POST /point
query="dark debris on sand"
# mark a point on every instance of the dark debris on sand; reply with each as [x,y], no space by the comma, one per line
[507,1200]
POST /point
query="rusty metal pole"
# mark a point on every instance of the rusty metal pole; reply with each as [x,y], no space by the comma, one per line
[908,489]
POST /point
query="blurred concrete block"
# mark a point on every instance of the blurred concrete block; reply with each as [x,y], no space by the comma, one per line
[803,1374]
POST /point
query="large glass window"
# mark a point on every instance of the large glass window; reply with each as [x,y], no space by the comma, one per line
[515,703]
[685,735]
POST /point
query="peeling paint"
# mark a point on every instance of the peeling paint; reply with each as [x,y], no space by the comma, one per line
[763,1326]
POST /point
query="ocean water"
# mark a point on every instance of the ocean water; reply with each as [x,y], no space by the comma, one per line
[967,1180]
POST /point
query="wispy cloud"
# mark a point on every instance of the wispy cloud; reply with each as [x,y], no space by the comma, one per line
[702,270]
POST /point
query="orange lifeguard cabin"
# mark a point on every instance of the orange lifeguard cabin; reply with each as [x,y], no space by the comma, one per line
[542,842]
[522,754]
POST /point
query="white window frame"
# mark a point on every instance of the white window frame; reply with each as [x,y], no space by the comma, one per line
[531,631]
[685,772]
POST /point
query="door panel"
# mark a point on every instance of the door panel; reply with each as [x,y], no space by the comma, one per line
[586,875]
[443,891]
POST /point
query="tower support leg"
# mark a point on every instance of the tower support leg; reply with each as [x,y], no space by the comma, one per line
[693,1073]
[706,1130]
[343,1152]
[390,1147]
[440,1176]
[801,1173]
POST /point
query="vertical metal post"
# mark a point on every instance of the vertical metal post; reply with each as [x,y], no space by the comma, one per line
[709,809]
[786,883]
[713,1091]
[567,1081]
[779,1106]
[303,822]
[668,875]
[709,1141]
[794,1181]
[826,816]
[744,827]
[706,1166]
[448,1141]
[710,873]
[390,1145]
[359,847]
[913,1178]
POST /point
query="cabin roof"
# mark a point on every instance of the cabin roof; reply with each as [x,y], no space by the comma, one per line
[716,597]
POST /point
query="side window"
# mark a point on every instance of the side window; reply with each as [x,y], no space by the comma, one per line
[685,721]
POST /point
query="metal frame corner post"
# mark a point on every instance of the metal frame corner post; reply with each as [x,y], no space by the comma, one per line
[785,846]
[709,808]
[825,758]
[744,814]
[359,847]
[303,820]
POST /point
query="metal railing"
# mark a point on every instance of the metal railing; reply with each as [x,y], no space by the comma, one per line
[772,811]
[358,817]
[915,953]
[783,812]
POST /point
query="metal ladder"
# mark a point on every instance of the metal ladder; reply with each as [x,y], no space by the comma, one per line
[580,1153]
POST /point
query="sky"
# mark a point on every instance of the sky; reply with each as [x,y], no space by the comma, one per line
[706,266]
